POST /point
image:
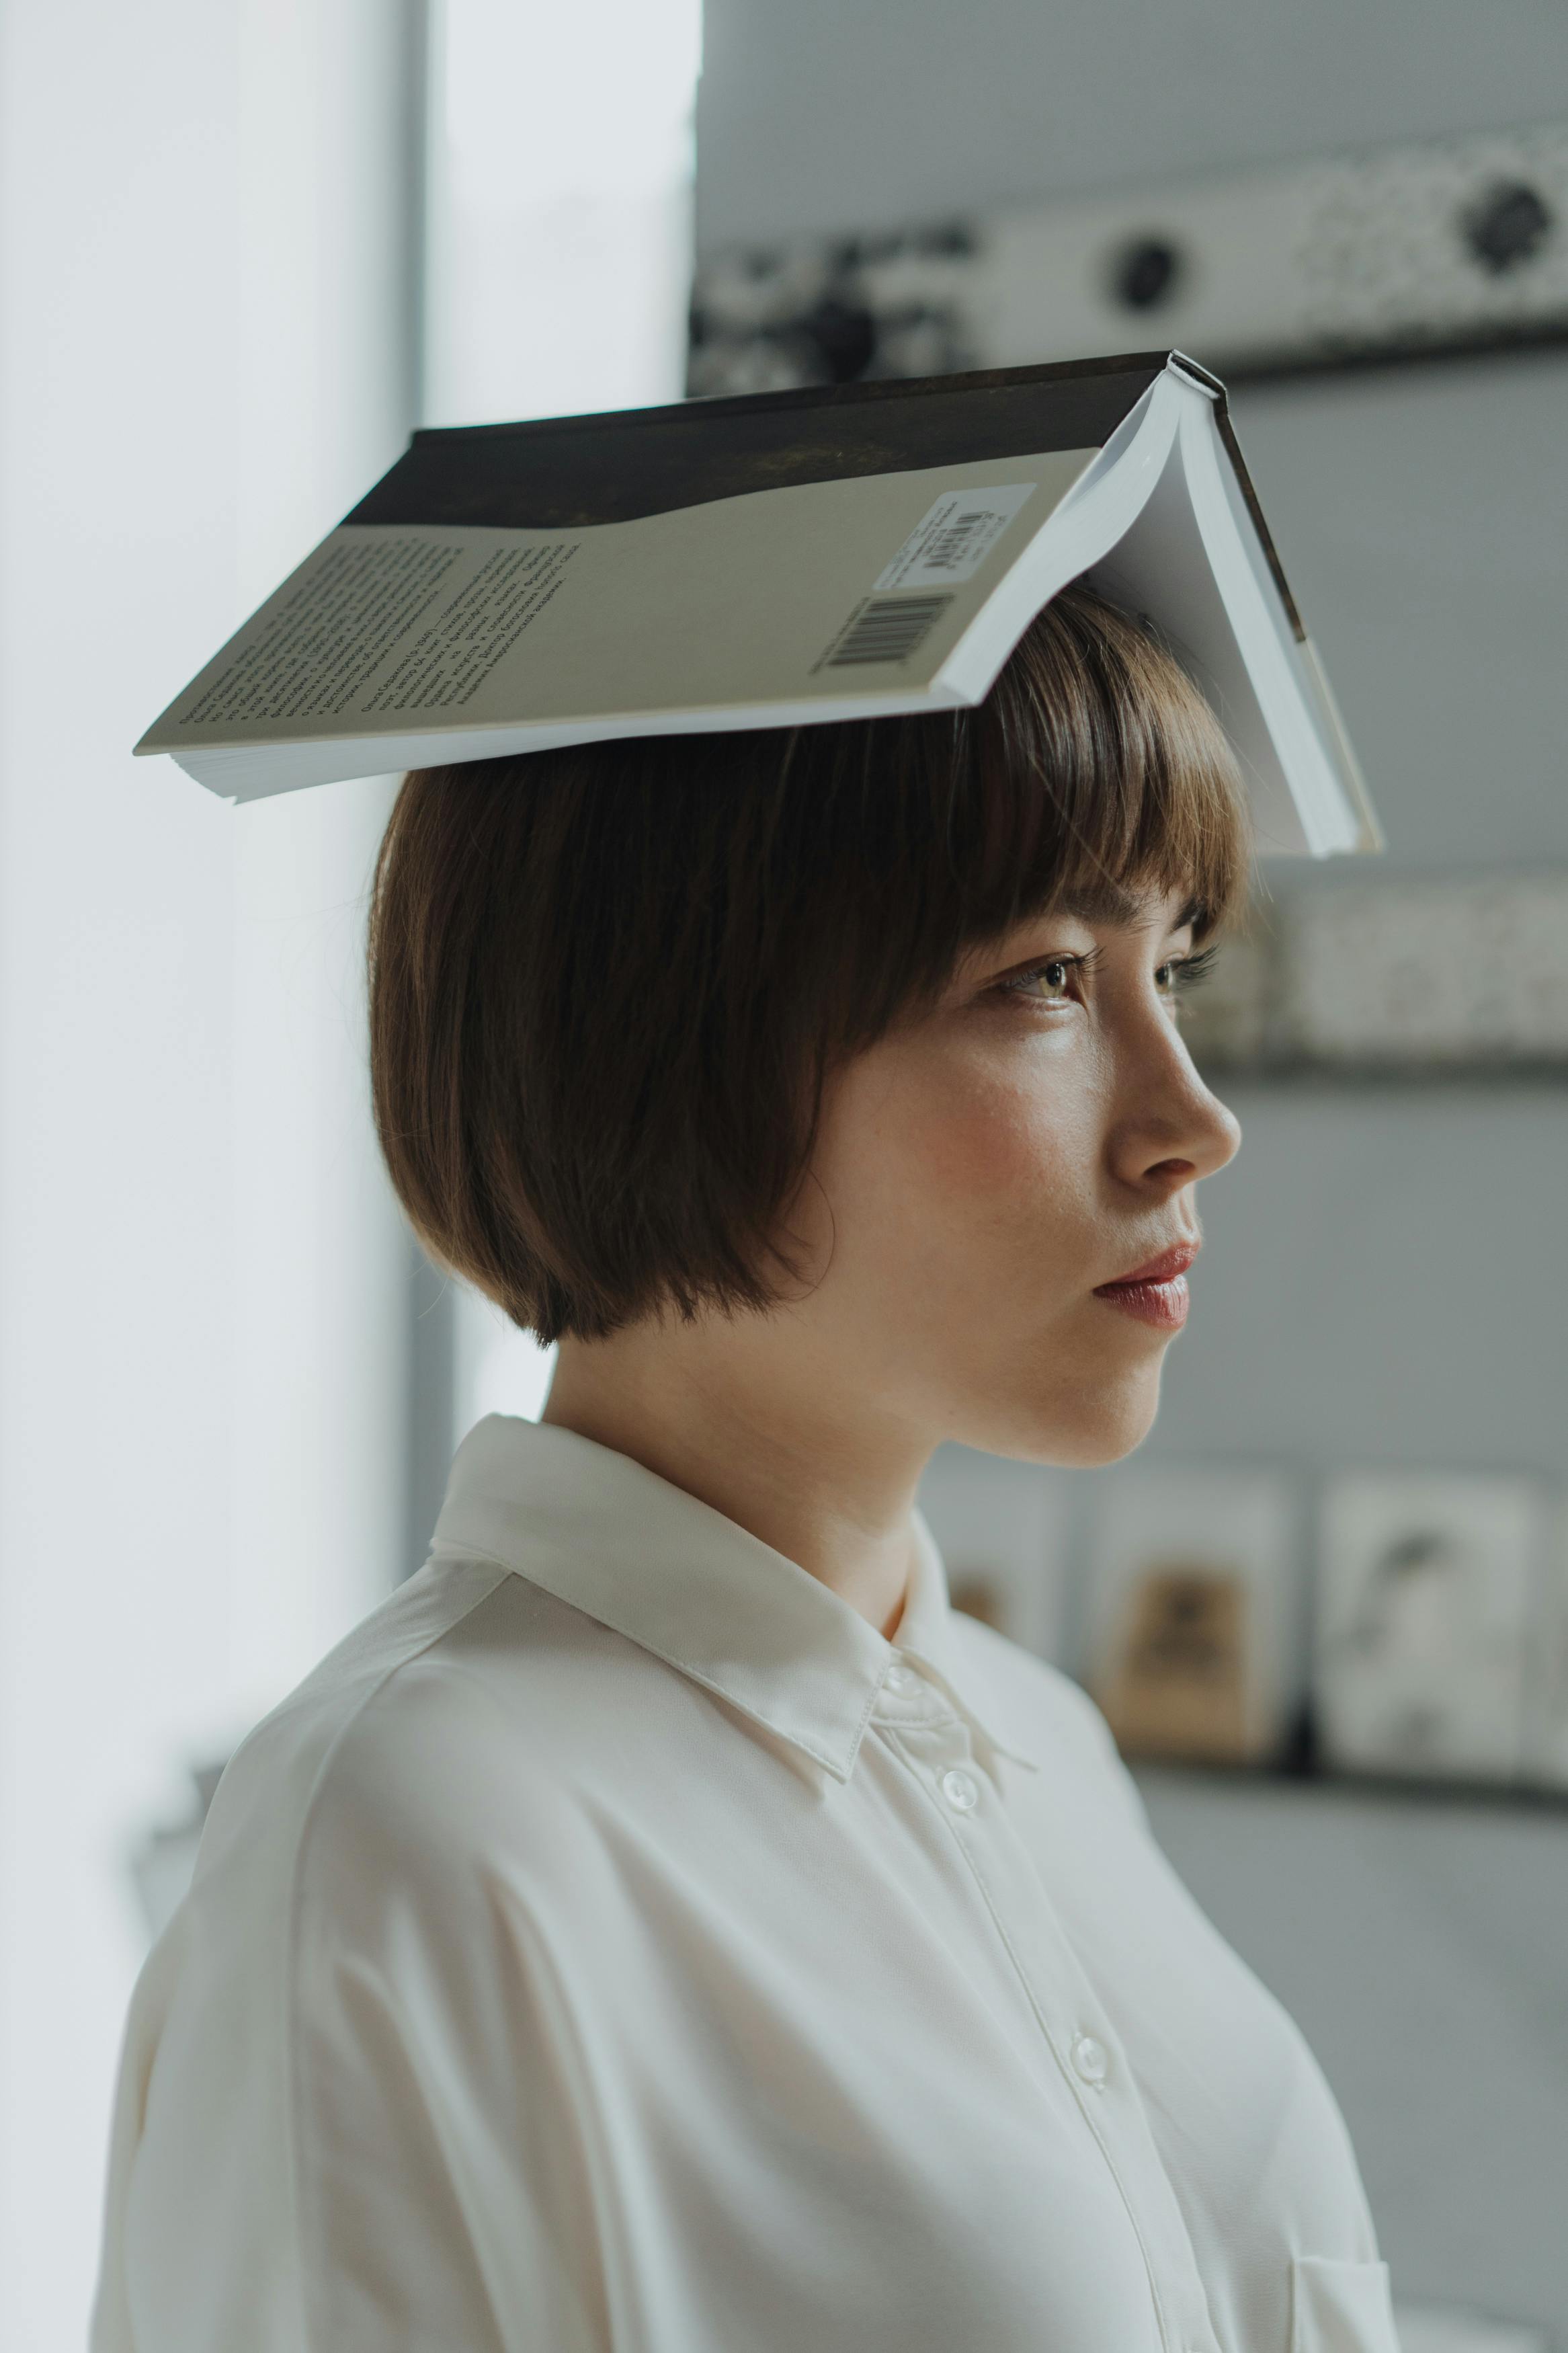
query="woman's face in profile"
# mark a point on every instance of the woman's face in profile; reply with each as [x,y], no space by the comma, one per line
[992,1175]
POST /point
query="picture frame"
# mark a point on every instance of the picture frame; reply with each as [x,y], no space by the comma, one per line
[1428,1593]
[1191,1617]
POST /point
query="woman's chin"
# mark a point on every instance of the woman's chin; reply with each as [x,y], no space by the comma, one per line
[1083,1429]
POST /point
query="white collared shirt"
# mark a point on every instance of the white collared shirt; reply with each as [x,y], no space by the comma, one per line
[618,1943]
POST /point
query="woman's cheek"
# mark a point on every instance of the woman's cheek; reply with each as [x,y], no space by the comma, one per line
[930,1146]
[1002,1150]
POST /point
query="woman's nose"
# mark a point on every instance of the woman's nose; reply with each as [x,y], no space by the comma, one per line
[1175,1129]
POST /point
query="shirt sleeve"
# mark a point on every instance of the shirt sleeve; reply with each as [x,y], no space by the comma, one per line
[351,2117]
[443,2188]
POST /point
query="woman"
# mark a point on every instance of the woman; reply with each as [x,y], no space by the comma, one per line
[664,1926]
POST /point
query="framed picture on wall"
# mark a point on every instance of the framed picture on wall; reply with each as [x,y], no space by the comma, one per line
[1427,1594]
[1002,1530]
[1191,1616]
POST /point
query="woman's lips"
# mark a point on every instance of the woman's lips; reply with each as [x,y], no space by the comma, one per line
[1155,1293]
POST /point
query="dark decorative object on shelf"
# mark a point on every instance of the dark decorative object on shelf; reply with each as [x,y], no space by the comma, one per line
[841,311]
[841,337]
[1146,273]
[1507,224]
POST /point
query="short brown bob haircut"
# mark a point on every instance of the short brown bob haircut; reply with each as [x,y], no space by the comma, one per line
[608,984]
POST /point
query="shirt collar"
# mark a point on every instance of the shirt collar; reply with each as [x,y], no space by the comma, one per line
[613,1539]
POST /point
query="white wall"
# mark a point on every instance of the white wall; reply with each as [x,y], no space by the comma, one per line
[205,354]
[560,206]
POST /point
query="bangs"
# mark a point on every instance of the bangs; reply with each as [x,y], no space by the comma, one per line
[1134,784]
[1093,770]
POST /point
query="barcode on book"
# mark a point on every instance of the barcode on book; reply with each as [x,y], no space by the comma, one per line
[952,538]
[886,629]
[948,552]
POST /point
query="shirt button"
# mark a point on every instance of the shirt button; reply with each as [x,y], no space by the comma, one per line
[901,1678]
[962,1791]
[1089,2056]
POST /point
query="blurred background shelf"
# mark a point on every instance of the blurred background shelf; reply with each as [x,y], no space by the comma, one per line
[1393,1789]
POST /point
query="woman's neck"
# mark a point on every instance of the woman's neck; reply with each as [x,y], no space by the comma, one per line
[718,1408]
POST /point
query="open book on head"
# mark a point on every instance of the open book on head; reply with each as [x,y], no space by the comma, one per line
[771,561]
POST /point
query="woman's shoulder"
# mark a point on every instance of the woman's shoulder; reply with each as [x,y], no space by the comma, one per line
[459,1700]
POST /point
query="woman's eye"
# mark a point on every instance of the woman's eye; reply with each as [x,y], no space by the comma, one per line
[1181,973]
[1046,983]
